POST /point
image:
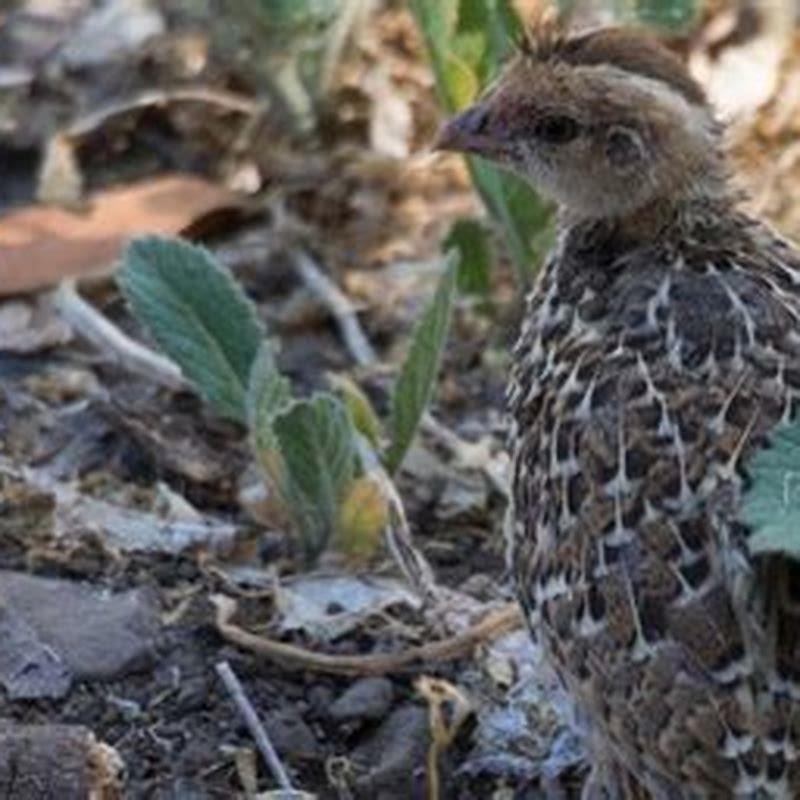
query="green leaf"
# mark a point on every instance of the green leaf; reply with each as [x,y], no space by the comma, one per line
[198,315]
[296,15]
[471,240]
[463,82]
[479,36]
[268,394]
[361,410]
[414,386]
[317,446]
[437,20]
[771,504]
[524,216]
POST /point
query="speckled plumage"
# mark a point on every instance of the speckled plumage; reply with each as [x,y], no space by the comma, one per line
[660,347]
[645,377]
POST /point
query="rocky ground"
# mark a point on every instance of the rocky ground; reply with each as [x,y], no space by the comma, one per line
[137,551]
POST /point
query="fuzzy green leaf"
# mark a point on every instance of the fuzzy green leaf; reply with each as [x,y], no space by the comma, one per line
[771,504]
[365,418]
[414,386]
[268,394]
[197,314]
[317,445]
[462,81]
[437,20]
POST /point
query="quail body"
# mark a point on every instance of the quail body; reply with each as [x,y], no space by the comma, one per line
[659,350]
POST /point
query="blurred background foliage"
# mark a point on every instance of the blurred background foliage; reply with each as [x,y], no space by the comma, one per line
[467,42]
[667,16]
[298,135]
[294,46]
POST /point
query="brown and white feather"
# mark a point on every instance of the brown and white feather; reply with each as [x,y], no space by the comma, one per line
[659,351]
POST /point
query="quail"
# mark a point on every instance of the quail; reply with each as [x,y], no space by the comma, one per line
[660,349]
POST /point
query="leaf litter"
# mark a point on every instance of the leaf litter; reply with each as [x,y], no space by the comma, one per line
[113,473]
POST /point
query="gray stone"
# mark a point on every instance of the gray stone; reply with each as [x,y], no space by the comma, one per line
[56,762]
[290,735]
[320,700]
[95,633]
[29,668]
[393,760]
[366,699]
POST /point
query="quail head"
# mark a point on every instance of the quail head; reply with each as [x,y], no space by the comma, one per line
[660,349]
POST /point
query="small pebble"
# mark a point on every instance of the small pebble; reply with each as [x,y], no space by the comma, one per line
[366,699]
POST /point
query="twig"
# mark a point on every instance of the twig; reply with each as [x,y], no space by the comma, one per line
[92,325]
[259,733]
[448,710]
[401,544]
[494,624]
[340,307]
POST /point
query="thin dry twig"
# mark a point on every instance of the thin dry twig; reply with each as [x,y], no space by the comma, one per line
[88,322]
[338,303]
[448,710]
[259,733]
[494,624]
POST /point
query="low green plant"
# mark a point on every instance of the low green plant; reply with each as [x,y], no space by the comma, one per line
[467,42]
[772,499]
[312,450]
[295,47]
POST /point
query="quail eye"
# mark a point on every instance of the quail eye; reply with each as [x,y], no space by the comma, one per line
[556,130]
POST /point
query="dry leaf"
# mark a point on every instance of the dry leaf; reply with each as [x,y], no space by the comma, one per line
[363,516]
[41,245]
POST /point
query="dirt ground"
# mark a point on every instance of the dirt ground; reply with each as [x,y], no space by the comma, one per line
[137,551]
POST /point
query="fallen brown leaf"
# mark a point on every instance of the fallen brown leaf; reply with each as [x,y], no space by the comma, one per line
[42,245]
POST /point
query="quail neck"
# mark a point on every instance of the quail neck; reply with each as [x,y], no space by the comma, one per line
[659,350]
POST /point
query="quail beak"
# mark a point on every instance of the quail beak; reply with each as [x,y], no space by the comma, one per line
[470,132]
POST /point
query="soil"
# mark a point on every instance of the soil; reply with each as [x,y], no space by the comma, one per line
[78,427]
